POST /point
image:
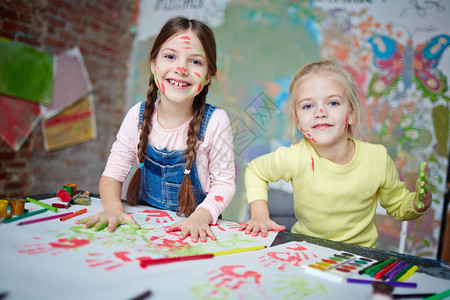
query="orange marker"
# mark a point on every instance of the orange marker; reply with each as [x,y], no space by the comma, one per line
[77,213]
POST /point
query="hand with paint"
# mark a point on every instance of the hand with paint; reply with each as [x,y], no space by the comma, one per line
[109,218]
[423,198]
[196,225]
[260,220]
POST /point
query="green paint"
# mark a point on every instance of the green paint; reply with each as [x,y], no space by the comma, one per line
[26,72]
[298,288]
[206,291]
[133,226]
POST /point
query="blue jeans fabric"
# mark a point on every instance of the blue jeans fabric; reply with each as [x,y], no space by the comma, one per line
[163,172]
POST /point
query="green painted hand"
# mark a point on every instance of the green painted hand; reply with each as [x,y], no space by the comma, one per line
[422,181]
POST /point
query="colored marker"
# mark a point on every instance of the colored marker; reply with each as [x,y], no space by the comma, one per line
[415,296]
[43,219]
[150,262]
[362,271]
[403,271]
[392,283]
[77,213]
[408,273]
[25,215]
[44,205]
[374,269]
[386,269]
[439,296]
[238,250]
[398,268]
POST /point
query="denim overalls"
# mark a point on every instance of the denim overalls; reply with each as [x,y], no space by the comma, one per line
[163,171]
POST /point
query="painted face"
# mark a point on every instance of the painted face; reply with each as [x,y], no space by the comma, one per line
[323,112]
[180,69]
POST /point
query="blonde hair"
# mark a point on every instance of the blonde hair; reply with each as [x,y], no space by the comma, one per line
[341,75]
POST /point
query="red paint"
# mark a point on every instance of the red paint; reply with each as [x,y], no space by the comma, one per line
[200,86]
[157,214]
[185,37]
[329,261]
[163,88]
[198,74]
[170,244]
[285,258]
[187,48]
[346,123]
[321,111]
[220,228]
[312,164]
[122,255]
[298,248]
[230,278]
[181,69]
[70,244]
[218,198]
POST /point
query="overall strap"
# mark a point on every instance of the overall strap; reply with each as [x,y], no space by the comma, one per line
[209,109]
[141,112]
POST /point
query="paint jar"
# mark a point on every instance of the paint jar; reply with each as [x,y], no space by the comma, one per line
[4,208]
[17,206]
[74,192]
[381,291]
[70,189]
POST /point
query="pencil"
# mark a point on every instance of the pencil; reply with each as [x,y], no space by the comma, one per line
[77,213]
[25,215]
[144,262]
[238,250]
[44,205]
[43,219]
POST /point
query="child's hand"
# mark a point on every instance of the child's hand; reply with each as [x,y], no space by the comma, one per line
[423,198]
[196,225]
[261,224]
[110,218]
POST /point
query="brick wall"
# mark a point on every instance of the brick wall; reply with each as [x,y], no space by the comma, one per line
[101,29]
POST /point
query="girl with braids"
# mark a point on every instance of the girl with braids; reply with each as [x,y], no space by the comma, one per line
[182,144]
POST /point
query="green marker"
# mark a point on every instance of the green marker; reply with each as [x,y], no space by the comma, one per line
[44,205]
[25,215]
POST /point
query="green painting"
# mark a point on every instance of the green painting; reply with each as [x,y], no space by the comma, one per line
[26,73]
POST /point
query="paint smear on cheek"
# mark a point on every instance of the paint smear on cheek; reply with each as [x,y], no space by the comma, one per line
[346,123]
[198,74]
[200,86]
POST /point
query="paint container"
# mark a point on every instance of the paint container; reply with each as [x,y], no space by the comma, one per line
[74,188]
[338,266]
[4,208]
[17,206]
[70,189]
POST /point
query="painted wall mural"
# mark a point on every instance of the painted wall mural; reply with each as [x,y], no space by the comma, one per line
[397,51]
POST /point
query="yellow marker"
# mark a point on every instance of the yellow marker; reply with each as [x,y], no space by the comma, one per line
[408,273]
[238,250]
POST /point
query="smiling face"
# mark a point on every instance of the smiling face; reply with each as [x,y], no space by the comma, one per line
[180,69]
[322,111]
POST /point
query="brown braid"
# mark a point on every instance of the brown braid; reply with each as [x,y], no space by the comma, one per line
[135,183]
[185,195]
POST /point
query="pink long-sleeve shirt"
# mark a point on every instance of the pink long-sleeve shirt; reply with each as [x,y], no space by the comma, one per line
[215,155]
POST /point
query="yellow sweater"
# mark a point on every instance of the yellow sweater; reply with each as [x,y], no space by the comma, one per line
[332,201]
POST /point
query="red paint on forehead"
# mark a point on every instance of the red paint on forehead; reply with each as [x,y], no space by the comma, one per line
[186,47]
[185,37]
[187,42]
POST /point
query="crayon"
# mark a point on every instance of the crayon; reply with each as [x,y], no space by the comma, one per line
[238,250]
[392,283]
[408,273]
[43,219]
[25,215]
[44,205]
[77,213]
[150,262]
